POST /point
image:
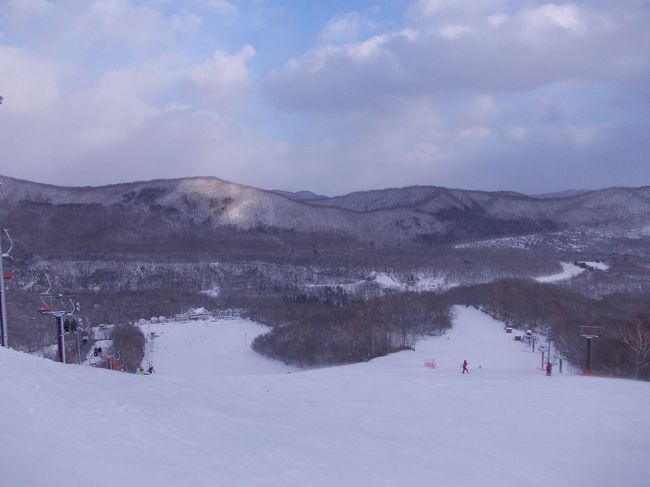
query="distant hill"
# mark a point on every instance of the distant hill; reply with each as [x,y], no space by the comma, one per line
[151,248]
[200,206]
[567,193]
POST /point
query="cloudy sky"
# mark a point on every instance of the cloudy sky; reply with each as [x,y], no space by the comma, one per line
[330,95]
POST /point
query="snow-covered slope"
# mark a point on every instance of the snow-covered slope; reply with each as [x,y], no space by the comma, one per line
[388,422]
[569,270]
[199,348]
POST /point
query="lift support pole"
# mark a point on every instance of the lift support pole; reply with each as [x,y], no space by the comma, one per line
[61,334]
[3,309]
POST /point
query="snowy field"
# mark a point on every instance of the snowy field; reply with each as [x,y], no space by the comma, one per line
[569,271]
[216,414]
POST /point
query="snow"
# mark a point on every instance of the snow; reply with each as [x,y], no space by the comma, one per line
[217,414]
[387,281]
[564,240]
[419,282]
[568,271]
[207,348]
[431,283]
[596,265]
[213,292]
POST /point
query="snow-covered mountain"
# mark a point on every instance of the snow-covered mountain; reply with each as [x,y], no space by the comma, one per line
[128,250]
[424,213]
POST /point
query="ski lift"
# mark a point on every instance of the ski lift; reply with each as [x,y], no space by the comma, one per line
[46,298]
[64,307]
[8,274]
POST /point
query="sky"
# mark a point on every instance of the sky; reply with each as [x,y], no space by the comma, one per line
[329,96]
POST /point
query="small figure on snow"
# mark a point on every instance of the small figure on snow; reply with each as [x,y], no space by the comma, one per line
[465,369]
[151,370]
[549,368]
[140,371]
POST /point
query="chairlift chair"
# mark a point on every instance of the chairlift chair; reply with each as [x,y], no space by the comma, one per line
[8,274]
[66,307]
[589,332]
[59,305]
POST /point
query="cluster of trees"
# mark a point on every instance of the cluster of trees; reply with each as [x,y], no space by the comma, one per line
[633,339]
[308,332]
[623,348]
[129,341]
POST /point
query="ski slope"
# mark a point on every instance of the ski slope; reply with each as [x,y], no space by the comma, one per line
[206,348]
[215,414]
[569,271]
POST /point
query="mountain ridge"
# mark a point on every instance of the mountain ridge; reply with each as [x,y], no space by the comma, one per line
[394,216]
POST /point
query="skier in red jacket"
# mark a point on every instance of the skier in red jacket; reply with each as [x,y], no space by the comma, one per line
[549,368]
[465,369]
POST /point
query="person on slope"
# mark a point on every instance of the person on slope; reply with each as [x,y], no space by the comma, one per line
[549,368]
[465,369]
[151,370]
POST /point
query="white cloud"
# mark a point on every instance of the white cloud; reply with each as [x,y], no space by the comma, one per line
[20,11]
[565,16]
[222,7]
[30,84]
[544,23]
[426,12]
[514,134]
[430,8]
[581,135]
[346,27]
[535,47]
[122,21]
[496,20]
[455,32]
[485,88]
[223,71]
[107,82]
[496,93]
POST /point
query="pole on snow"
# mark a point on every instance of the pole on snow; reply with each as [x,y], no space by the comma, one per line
[3,309]
[59,315]
[588,333]
[4,336]
[61,338]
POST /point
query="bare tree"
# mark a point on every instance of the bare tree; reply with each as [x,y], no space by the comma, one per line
[636,336]
[129,341]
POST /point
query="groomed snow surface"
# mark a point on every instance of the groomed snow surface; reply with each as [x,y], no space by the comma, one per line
[216,414]
[568,271]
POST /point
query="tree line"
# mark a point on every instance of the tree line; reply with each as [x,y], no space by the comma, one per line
[308,332]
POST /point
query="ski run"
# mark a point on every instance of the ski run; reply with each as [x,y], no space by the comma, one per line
[217,414]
